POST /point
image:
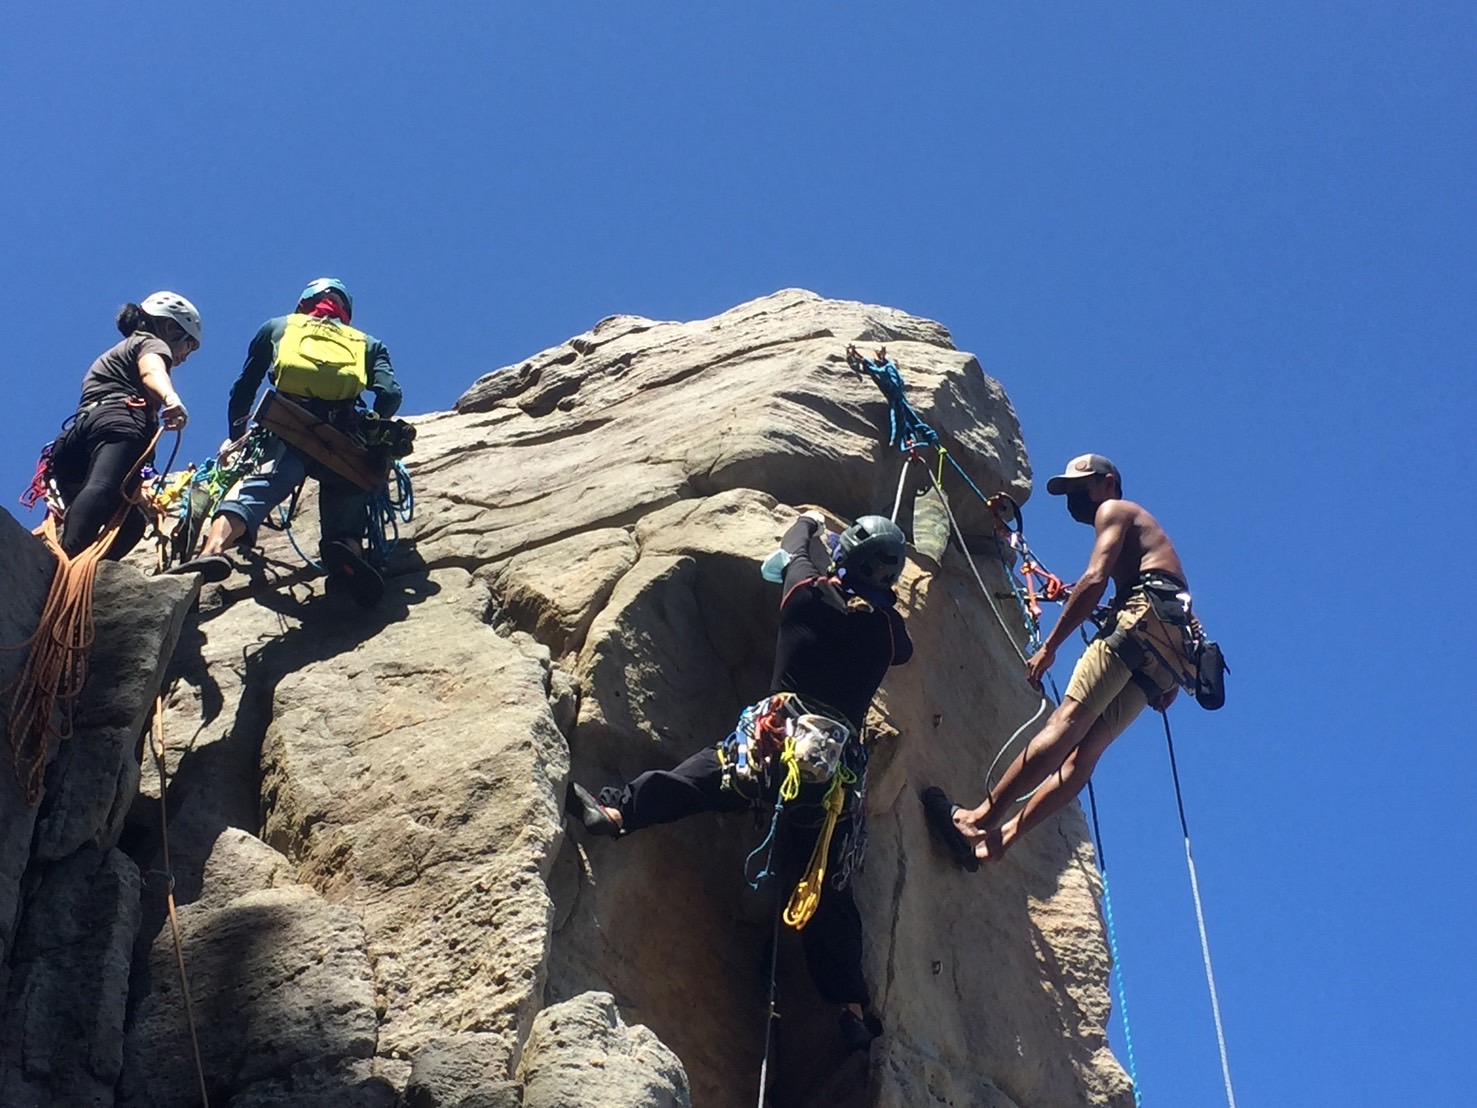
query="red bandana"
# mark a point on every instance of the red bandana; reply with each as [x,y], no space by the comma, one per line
[324,307]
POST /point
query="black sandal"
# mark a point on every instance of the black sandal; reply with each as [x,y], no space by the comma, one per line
[938,813]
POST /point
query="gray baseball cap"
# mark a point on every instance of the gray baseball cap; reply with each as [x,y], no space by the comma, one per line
[1084,465]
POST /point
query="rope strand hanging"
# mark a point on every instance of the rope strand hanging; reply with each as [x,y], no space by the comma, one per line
[1215,1002]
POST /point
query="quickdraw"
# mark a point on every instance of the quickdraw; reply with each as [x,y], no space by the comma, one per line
[1031,582]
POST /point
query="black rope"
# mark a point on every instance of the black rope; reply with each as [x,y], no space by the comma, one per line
[1175,773]
[770,1016]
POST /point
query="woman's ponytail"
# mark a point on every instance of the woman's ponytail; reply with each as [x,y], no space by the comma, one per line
[132,318]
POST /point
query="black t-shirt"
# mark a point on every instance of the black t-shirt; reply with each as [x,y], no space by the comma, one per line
[115,373]
[826,652]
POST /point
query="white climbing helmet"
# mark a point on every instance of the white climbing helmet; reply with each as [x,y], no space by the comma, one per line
[171,305]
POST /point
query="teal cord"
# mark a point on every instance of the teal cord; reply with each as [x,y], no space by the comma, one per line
[1097,840]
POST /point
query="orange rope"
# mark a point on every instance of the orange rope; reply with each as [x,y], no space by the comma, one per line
[56,664]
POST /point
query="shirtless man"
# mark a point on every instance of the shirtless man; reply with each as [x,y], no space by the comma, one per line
[1105,694]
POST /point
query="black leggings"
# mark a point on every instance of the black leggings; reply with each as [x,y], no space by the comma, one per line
[833,938]
[112,465]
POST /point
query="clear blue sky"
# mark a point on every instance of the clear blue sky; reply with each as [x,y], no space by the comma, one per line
[1230,245]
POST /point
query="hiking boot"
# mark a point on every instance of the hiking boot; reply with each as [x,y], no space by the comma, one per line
[938,813]
[342,560]
[211,567]
[858,1032]
[580,805]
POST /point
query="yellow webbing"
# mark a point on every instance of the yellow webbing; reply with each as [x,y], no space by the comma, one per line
[790,786]
[807,895]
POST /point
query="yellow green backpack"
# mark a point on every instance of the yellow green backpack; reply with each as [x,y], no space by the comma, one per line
[321,358]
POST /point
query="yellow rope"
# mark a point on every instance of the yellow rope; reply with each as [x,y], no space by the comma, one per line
[807,895]
[790,786]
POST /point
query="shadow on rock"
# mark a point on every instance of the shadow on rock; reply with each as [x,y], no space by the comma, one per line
[215,775]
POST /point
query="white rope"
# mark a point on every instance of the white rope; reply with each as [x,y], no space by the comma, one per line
[1215,1003]
[1045,704]
[959,535]
[897,501]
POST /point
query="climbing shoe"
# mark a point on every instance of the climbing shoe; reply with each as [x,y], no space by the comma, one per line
[580,805]
[938,813]
[210,567]
[343,561]
[858,1032]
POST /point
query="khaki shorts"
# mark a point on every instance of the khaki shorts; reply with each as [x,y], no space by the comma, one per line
[1103,685]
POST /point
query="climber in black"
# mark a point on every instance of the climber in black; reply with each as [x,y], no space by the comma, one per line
[126,395]
[838,635]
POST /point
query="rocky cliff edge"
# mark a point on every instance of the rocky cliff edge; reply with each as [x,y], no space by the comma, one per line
[380,902]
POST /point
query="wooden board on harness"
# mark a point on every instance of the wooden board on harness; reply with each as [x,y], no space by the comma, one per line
[325,444]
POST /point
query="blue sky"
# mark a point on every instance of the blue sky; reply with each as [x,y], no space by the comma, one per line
[1230,245]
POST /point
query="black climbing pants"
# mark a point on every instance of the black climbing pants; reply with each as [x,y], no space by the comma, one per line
[832,940]
[91,472]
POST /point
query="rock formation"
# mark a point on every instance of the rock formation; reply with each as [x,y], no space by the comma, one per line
[380,901]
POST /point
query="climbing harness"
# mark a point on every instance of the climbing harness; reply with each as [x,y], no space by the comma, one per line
[1154,625]
[780,744]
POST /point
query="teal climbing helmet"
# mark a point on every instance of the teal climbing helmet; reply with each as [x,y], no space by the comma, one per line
[317,288]
[874,541]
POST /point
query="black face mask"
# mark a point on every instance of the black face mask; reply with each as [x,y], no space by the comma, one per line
[1080,506]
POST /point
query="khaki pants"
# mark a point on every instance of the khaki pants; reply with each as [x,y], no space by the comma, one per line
[1103,685]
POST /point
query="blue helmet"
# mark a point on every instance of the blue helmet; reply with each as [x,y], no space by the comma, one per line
[317,288]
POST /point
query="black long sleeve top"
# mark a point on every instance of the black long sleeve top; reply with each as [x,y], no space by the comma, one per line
[825,651]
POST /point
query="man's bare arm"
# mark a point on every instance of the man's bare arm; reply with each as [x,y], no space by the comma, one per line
[1112,523]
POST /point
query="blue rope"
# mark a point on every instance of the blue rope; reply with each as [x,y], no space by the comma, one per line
[384,512]
[769,841]
[1097,839]
[284,515]
[907,430]
[387,511]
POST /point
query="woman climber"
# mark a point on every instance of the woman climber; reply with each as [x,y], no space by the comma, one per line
[126,395]
[800,747]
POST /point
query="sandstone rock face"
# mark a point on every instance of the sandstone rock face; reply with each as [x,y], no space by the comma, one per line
[581,1054]
[69,900]
[283,999]
[380,900]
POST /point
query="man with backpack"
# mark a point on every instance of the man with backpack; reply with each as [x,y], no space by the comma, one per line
[323,365]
